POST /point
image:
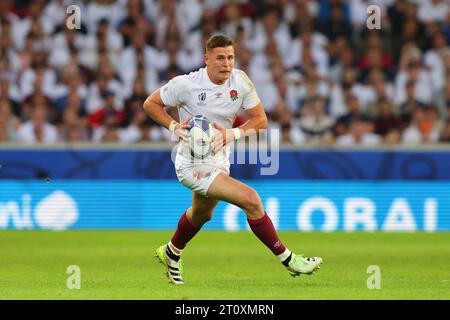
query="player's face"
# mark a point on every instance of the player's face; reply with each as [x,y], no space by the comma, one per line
[220,62]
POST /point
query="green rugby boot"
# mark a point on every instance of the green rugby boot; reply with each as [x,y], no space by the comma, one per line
[303,265]
[174,269]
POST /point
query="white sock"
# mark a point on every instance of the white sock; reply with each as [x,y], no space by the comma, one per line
[284,255]
[174,249]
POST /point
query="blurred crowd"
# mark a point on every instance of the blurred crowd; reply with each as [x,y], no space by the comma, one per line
[322,75]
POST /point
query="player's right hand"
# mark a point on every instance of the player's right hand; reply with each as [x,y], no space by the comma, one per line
[182,130]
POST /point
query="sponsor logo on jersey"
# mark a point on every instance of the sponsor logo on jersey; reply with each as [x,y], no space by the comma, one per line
[233,95]
[218,94]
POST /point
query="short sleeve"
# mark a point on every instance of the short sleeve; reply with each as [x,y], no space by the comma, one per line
[250,97]
[171,92]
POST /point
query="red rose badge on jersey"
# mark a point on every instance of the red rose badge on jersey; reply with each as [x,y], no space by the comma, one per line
[233,95]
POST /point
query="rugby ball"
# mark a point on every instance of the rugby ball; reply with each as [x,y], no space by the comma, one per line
[201,134]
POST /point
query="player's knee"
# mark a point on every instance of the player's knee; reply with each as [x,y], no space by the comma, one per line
[251,201]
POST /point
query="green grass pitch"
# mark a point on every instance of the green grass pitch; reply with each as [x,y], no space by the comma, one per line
[220,265]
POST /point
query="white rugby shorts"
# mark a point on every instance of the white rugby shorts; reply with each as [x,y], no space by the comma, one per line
[198,176]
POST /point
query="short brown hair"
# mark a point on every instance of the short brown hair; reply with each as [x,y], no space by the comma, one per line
[218,41]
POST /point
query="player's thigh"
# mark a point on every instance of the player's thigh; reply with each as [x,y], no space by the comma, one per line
[202,205]
[233,191]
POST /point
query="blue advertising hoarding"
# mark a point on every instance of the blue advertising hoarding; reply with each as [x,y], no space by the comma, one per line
[292,205]
[308,190]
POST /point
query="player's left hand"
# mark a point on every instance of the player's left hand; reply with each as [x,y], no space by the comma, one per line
[221,137]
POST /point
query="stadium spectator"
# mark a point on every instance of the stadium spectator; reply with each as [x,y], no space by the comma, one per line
[349,84]
[107,112]
[37,129]
[379,88]
[136,129]
[134,18]
[300,12]
[387,123]
[308,49]
[186,13]
[425,126]
[353,113]
[8,121]
[75,104]
[139,55]
[177,57]
[446,28]
[200,33]
[71,83]
[433,10]
[434,62]
[108,41]
[96,10]
[423,90]
[270,29]
[407,108]
[262,64]
[63,44]
[233,20]
[315,124]
[74,127]
[341,57]
[360,133]
[8,93]
[396,16]
[97,92]
[375,56]
[338,24]
[39,77]
[54,13]
[107,131]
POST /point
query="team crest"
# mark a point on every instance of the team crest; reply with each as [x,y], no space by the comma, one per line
[233,95]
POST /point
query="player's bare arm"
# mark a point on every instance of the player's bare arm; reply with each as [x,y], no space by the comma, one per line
[154,108]
[257,120]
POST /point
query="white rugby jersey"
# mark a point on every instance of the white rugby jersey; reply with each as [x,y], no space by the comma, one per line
[195,94]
